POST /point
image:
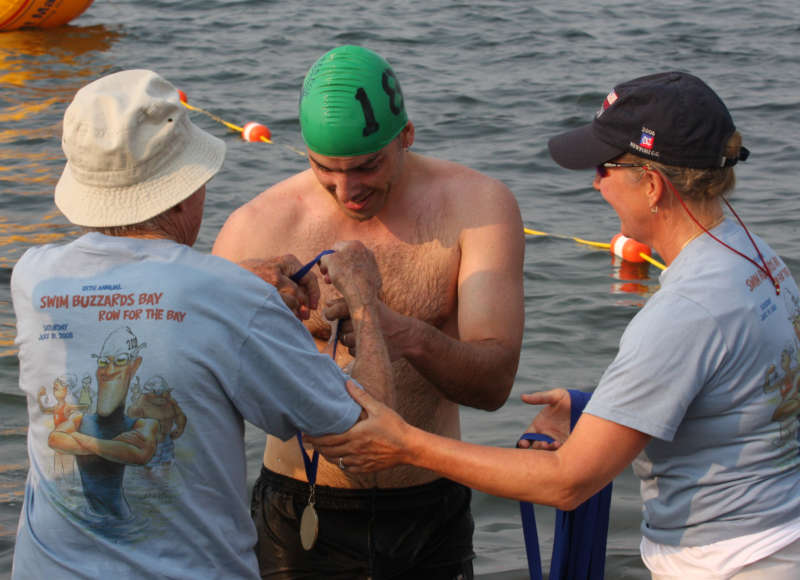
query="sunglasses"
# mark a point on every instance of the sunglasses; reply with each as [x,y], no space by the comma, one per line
[602,169]
[118,360]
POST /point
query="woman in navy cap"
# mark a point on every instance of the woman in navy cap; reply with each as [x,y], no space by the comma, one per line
[702,396]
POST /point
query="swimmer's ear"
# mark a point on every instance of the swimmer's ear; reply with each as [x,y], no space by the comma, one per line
[407,135]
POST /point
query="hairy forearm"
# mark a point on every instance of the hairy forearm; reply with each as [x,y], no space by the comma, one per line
[477,374]
[522,474]
[372,367]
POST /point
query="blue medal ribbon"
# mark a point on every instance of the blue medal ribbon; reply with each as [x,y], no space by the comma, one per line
[304,270]
[311,464]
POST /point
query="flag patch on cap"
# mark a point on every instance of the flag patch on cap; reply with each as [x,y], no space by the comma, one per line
[609,100]
[646,140]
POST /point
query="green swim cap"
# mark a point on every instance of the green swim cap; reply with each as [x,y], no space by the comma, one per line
[351,103]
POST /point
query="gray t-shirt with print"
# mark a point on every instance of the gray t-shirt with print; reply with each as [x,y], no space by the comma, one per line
[709,368]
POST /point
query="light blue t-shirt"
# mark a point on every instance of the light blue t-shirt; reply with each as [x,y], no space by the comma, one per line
[710,369]
[140,359]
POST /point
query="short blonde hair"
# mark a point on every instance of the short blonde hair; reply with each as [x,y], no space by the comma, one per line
[701,184]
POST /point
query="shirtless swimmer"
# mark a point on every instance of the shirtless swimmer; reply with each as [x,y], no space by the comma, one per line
[449,246]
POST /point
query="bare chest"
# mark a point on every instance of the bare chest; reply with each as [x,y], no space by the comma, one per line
[418,280]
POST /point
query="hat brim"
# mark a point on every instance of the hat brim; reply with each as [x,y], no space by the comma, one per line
[93,206]
[581,149]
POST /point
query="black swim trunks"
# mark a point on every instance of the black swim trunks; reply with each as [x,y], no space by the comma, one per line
[419,532]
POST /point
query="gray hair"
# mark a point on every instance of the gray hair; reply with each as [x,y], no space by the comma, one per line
[157,224]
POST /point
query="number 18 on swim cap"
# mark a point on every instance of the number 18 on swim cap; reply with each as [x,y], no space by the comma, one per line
[351,103]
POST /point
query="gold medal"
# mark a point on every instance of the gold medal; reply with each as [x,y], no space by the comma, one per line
[309,527]
[309,521]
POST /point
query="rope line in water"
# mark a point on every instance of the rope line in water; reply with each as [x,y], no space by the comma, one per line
[651,260]
[252,132]
[579,240]
[642,256]
[218,120]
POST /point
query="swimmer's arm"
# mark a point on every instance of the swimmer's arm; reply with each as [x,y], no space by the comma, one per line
[135,447]
[479,367]
[62,438]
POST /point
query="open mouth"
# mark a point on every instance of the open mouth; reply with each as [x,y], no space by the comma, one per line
[356,205]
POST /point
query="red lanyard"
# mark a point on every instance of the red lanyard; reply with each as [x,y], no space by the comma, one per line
[761,267]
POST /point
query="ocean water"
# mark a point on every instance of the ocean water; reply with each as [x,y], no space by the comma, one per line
[486,83]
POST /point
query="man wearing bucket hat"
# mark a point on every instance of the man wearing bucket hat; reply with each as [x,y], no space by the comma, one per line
[449,245]
[702,396]
[222,339]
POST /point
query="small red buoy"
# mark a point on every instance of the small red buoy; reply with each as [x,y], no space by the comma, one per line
[255,131]
[629,249]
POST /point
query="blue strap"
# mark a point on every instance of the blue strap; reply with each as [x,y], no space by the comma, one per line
[579,545]
[310,464]
[529,522]
[304,270]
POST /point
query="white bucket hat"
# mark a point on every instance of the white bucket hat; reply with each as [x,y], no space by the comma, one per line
[132,151]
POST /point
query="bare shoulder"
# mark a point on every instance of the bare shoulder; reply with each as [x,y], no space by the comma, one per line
[470,194]
[263,225]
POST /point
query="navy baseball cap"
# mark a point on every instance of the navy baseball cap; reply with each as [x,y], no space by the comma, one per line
[672,118]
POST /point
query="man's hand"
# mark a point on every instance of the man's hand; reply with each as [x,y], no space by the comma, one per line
[353,271]
[553,420]
[301,297]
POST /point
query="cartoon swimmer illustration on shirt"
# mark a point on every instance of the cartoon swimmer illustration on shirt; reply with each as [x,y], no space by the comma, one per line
[105,441]
[155,402]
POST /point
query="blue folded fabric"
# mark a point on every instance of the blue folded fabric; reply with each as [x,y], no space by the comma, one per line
[579,545]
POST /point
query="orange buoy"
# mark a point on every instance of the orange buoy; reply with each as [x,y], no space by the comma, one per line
[39,13]
[629,249]
[256,132]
